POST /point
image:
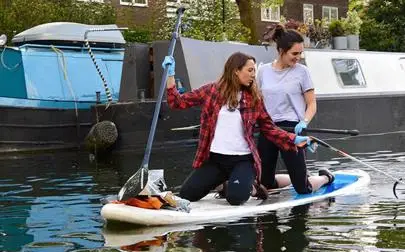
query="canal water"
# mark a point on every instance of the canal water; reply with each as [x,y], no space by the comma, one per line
[51,202]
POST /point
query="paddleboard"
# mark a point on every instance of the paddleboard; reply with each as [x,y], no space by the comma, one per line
[210,209]
[126,237]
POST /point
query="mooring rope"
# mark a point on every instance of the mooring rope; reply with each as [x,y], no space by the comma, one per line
[87,44]
[62,64]
[3,63]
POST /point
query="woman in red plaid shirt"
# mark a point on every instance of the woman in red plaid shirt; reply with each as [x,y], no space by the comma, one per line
[226,150]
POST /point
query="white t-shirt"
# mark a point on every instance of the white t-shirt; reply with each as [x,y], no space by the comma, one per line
[229,138]
[283,91]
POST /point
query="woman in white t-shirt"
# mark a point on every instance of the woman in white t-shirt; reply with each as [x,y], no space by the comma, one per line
[230,108]
[289,98]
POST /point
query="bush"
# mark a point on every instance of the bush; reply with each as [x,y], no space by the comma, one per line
[140,35]
[376,36]
[353,23]
[383,26]
[336,28]
[319,33]
[204,21]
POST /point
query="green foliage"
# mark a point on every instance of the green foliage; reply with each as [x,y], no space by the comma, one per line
[384,26]
[19,15]
[357,5]
[337,28]
[269,3]
[319,33]
[211,24]
[377,36]
[141,35]
[353,23]
[204,20]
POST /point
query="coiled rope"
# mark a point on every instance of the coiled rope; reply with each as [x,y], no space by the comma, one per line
[87,44]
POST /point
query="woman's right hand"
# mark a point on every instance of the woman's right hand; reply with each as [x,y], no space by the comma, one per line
[170,64]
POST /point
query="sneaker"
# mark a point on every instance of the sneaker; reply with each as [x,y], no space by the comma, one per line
[327,173]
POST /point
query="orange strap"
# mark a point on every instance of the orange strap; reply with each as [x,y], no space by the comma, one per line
[148,202]
[159,242]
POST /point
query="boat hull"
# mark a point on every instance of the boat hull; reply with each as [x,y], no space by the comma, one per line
[368,114]
[34,129]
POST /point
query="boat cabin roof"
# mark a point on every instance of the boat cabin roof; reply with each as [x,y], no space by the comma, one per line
[67,33]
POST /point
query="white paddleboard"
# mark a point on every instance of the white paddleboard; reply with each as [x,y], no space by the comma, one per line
[210,209]
[118,237]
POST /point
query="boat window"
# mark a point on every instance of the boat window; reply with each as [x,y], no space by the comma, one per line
[402,63]
[349,72]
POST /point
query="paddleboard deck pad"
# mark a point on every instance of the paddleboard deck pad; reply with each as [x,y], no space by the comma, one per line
[211,209]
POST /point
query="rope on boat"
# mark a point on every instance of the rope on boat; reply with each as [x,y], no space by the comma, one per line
[87,44]
[63,65]
[3,63]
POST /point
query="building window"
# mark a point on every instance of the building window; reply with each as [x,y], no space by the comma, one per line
[140,3]
[329,13]
[349,72]
[308,11]
[271,14]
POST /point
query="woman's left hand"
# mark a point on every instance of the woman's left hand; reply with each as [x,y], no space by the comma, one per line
[300,127]
[304,141]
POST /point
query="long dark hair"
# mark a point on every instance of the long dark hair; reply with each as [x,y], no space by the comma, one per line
[229,84]
[285,38]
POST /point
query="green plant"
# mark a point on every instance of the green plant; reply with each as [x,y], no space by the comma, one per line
[204,20]
[353,22]
[377,36]
[141,35]
[303,29]
[337,28]
[319,33]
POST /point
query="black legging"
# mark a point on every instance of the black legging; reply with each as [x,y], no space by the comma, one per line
[294,161]
[237,169]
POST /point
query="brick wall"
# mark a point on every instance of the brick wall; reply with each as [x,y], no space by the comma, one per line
[136,15]
[294,8]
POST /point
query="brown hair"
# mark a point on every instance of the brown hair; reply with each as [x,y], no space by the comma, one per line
[229,84]
[285,38]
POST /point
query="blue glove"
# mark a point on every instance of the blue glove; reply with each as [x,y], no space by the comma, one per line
[299,139]
[299,127]
[311,146]
[170,63]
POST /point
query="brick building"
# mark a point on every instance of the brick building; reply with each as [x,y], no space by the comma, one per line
[142,12]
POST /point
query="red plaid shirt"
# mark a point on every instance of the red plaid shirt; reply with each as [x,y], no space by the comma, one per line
[209,98]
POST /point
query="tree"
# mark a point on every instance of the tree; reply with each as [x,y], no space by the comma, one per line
[384,26]
[214,20]
[205,20]
[357,5]
[247,14]
[19,15]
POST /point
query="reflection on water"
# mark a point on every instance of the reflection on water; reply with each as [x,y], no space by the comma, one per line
[52,202]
